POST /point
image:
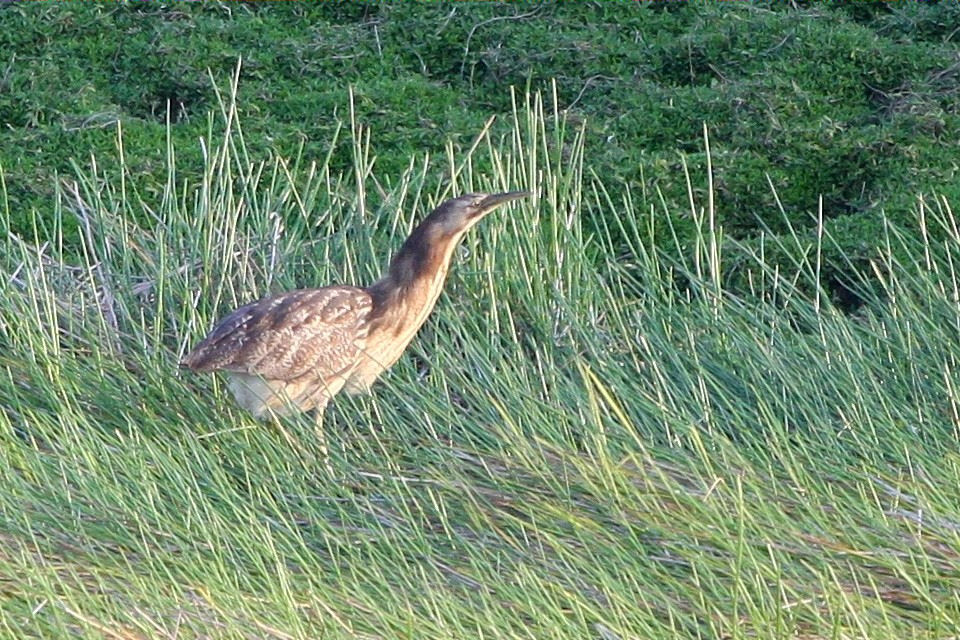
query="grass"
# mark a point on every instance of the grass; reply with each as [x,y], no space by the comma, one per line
[855,104]
[581,443]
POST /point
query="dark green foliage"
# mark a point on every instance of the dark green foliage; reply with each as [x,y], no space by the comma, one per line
[854,102]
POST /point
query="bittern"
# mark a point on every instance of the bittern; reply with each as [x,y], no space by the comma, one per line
[296,350]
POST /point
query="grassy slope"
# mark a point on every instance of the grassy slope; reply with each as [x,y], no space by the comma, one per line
[573,449]
[560,456]
[857,104]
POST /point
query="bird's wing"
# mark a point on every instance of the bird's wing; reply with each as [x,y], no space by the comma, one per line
[320,331]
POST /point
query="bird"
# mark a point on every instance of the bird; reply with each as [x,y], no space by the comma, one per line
[294,351]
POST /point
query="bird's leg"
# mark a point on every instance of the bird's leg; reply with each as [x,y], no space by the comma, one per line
[321,436]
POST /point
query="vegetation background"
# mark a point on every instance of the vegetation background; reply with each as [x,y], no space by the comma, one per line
[699,387]
[856,103]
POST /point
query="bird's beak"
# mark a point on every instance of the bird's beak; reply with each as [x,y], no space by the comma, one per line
[496,199]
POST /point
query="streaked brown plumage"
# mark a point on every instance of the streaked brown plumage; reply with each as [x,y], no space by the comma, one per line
[296,350]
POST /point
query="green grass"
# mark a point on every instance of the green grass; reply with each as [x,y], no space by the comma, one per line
[582,442]
[856,104]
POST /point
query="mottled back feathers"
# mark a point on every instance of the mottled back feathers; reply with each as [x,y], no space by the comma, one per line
[283,337]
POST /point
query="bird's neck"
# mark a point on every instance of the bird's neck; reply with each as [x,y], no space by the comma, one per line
[416,275]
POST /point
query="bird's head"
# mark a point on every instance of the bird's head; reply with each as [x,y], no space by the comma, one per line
[427,250]
[455,216]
